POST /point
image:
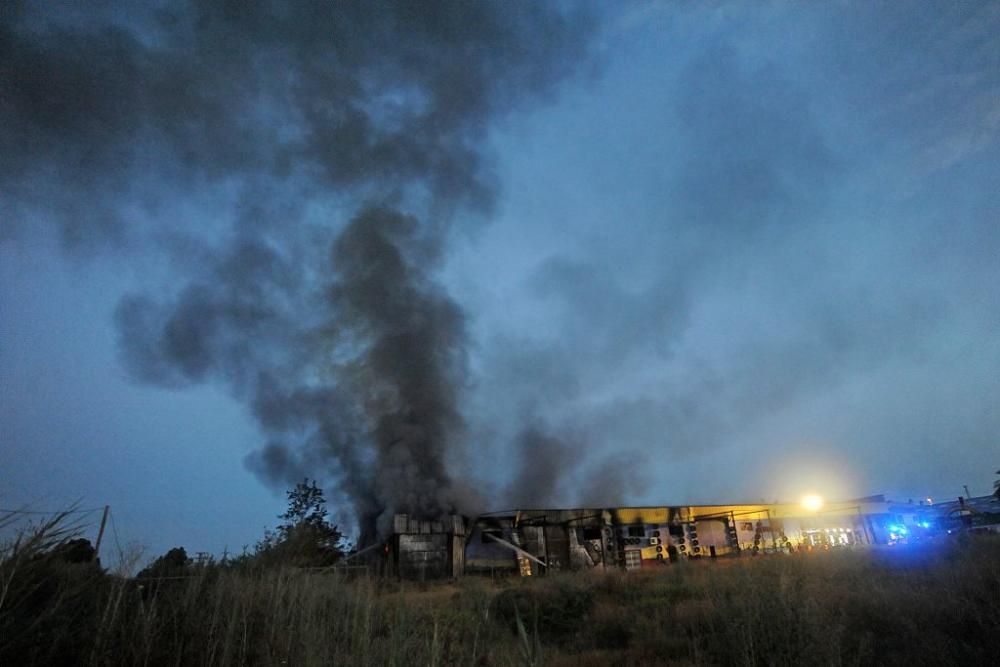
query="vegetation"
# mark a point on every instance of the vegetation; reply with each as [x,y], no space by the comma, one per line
[926,604]
[306,538]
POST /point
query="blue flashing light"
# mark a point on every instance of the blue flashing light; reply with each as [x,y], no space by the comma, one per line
[925,524]
[898,529]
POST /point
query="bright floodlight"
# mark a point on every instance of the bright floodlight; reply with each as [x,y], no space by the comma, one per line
[812,503]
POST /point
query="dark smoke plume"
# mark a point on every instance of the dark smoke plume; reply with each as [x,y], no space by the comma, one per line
[410,341]
[238,138]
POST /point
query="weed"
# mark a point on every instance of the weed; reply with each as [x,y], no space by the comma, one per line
[939,604]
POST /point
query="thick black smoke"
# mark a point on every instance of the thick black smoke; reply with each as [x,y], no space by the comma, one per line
[408,369]
[239,137]
[112,111]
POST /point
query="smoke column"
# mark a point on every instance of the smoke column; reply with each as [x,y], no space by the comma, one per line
[410,342]
[297,166]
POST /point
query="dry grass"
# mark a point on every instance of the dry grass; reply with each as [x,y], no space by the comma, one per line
[938,604]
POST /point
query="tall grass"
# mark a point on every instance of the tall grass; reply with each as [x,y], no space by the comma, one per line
[933,605]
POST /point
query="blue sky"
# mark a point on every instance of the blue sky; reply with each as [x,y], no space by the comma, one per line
[699,253]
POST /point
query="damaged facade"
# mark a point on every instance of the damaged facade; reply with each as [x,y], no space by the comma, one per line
[535,541]
[420,549]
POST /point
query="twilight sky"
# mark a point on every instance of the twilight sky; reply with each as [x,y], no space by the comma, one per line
[465,256]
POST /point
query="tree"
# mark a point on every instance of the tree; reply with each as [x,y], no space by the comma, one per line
[74,551]
[174,563]
[306,538]
[306,507]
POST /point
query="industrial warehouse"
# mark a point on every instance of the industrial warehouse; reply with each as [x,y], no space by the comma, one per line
[532,542]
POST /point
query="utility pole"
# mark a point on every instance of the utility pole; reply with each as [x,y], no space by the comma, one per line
[966,487]
[100,532]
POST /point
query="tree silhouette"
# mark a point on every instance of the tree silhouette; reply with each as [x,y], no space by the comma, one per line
[306,538]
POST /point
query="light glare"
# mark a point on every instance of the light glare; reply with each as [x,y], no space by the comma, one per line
[812,503]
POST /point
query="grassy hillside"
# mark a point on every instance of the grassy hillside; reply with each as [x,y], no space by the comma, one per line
[934,604]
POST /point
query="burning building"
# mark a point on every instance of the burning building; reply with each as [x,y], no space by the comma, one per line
[537,541]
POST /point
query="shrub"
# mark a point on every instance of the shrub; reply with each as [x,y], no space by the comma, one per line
[612,627]
[560,606]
